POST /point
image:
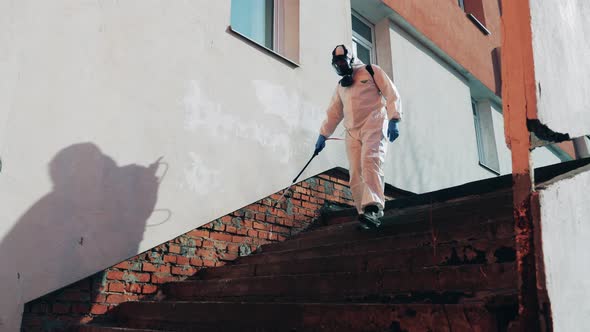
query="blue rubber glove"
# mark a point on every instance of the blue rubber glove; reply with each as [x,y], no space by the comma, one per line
[320,144]
[392,130]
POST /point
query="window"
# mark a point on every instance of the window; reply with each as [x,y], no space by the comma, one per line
[273,24]
[475,12]
[484,134]
[362,40]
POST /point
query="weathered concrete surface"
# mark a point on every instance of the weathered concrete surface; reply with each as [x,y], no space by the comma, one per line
[561,45]
[565,212]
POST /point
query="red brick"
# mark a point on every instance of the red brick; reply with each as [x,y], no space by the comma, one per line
[258,225]
[170,259]
[133,288]
[148,267]
[115,298]
[231,229]
[251,233]
[198,233]
[233,248]
[162,278]
[221,237]
[208,244]
[60,308]
[174,249]
[204,252]
[229,256]
[125,265]
[239,239]
[99,309]
[181,260]
[164,269]
[187,271]
[115,275]
[119,298]
[226,219]
[220,246]
[140,277]
[208,262]
[196,261]
[149,289]
[116,287]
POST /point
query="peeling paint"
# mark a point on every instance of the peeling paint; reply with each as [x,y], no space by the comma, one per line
[200,178]
[288,113]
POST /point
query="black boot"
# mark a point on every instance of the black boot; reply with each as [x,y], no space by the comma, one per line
[370,219]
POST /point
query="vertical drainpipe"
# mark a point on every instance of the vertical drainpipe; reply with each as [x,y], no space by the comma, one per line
[519,103]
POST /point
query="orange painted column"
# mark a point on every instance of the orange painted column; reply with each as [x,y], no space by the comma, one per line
[520,105]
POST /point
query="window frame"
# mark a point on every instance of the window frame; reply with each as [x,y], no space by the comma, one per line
[357,38]
[278,48]
[482,152]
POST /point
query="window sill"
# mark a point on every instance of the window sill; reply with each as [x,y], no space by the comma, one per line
[255,44]
[478,24]
[489,168]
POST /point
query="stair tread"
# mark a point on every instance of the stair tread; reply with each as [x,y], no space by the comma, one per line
[285,316]
[504,227]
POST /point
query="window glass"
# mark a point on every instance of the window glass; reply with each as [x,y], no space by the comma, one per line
[254,19]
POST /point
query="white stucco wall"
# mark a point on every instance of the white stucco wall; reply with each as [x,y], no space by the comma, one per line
[437,147]
[565,208]
[94,92]
[562,66]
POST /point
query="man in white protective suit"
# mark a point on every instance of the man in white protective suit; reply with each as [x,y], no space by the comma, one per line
[358,100]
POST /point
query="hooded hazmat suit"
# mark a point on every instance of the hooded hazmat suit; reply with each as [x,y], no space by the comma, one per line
[365,117]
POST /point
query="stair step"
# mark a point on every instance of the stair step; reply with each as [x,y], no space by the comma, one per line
[301,317]
[462,210]
[334,287]
[349,259]
[313,248]
[421,220]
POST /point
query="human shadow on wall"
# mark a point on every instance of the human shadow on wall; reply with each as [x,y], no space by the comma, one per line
[94,216]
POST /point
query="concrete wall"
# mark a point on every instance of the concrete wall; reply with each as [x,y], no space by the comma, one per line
[565,234]
[437,147]
[562,66]
[447,26]
[126,123]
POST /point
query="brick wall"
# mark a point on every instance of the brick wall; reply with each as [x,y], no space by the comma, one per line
[214,244]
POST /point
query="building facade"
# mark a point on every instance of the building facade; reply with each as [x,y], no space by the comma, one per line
[126,124]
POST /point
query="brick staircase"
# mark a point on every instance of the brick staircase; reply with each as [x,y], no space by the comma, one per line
[442,266]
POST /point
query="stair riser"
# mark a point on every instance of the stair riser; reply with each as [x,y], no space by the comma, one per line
[337,287]
[411,259]
[310,317]
[465,212]
[490,231]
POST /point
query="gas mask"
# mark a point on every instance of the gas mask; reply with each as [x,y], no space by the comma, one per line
[342,63]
